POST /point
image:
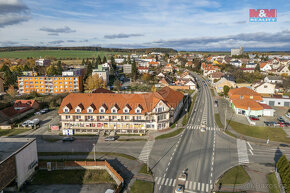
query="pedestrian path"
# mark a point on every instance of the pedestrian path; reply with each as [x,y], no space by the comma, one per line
[242,151]
[144,155]
[198,127]
[189,185]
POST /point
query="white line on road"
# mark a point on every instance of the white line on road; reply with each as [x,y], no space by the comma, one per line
[198,186]
[250,145]
[166,169]
[174,182]
[202,187]
[194,185]
[164,175]
[158,181]
[211,174]
[206,188]
[170,181]
[166,181]
[162,181]
[186,185]
[190,185]
[251,152]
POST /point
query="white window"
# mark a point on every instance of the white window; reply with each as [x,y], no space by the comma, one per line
[78,110]
[102,110]
[90,110]
[66,110]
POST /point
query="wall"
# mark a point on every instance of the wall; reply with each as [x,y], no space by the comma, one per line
[277,102]
[17,117]
[24,160]
[7,172]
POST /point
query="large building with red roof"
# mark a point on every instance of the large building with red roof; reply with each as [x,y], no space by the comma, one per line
[121,113]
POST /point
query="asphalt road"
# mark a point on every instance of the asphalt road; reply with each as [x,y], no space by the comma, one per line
[204,154]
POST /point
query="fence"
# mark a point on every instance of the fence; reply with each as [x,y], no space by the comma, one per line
[70,165]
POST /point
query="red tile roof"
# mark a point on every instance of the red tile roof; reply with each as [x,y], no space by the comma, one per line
[244,92]
[247,104]
[146,101]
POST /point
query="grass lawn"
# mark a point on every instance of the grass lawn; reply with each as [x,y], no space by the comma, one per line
[235,175]
[57,54]
[72,177]
[171,134]
[218,120]
[142,187]
[143,170]
[86,153]
[274,133]
[273,184]
[11,132]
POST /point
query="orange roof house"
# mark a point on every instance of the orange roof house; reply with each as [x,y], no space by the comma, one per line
[247,104]
[146,102]
[244,93]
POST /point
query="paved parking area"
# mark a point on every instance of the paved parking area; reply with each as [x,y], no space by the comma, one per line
[67,188]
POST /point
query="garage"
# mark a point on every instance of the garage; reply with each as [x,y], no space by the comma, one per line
[268,111]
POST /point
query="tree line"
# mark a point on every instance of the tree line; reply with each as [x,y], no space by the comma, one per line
[283,167]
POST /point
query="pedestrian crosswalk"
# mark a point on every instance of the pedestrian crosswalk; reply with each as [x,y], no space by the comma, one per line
[242,151]
[144,155]
[198,127]
[189,185]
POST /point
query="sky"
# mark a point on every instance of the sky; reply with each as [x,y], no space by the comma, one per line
[196,25]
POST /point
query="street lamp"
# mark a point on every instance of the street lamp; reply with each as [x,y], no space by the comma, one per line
[94,151]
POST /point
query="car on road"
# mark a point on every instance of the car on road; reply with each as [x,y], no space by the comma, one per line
[68,139]
[288,115]
[111,138]
[25,123]
[202,128]
[34,122]
[37,113]
[253,118]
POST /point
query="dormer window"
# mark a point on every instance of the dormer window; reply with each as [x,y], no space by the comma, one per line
[126,111]
[241,97]
[78,110]
[251,97]
[90,110]
[66,110]
[114,109]
[102,110]
[138,109]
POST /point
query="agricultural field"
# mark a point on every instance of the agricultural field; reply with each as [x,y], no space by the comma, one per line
[58,54]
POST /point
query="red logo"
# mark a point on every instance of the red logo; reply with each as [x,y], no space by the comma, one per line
[263,15]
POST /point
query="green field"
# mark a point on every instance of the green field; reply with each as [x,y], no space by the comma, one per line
[140,186]
[56,54]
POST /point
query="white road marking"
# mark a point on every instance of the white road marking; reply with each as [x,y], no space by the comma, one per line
[174,182]
[170,181]
[198,186]
[242,151]
[186,185]
[251,152]
[206,187]
[250,145]
[190,185]
[162,181]
[158,181]
[166,181]
[202,187]
[194,185]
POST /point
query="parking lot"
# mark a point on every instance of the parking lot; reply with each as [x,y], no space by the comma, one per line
[46,119]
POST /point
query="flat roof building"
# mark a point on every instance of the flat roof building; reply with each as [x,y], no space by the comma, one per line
[18,159]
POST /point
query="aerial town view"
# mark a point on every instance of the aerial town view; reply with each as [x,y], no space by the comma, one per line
[123,96]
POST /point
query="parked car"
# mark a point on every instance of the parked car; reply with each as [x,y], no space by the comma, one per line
[280,119]
[254,118]
[37,113]
[34,122]
[68,139]
[25,123]
[288,115]
[111,138]
[43,111]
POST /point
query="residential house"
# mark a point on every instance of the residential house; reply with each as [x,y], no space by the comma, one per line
[154,64]
[42,62]
[127,68]
[215,76]
[236,63]
[103,73]
[106,66]
[209,68]
[120,113]
[273,79]
[191,84]
[160,75]
[264,88]
[166,81]
[168,68]
[264,66]
[248,70]
[251,65]
[143,70]
[283,70]
[219,85]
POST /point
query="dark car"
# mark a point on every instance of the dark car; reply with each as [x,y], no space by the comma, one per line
[254,118]
[111,138]
[68,139]
[43,111]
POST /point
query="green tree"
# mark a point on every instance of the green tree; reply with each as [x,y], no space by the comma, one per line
[113,62]
[226,90]
[83,62]
[257,68]
[51,70]
[104,59]
[98,61]
[117,85]
[11,91]
[59,68]
[134,70]
[89,69]
[94,82]
[9,77]
[129,59]
[26,68]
